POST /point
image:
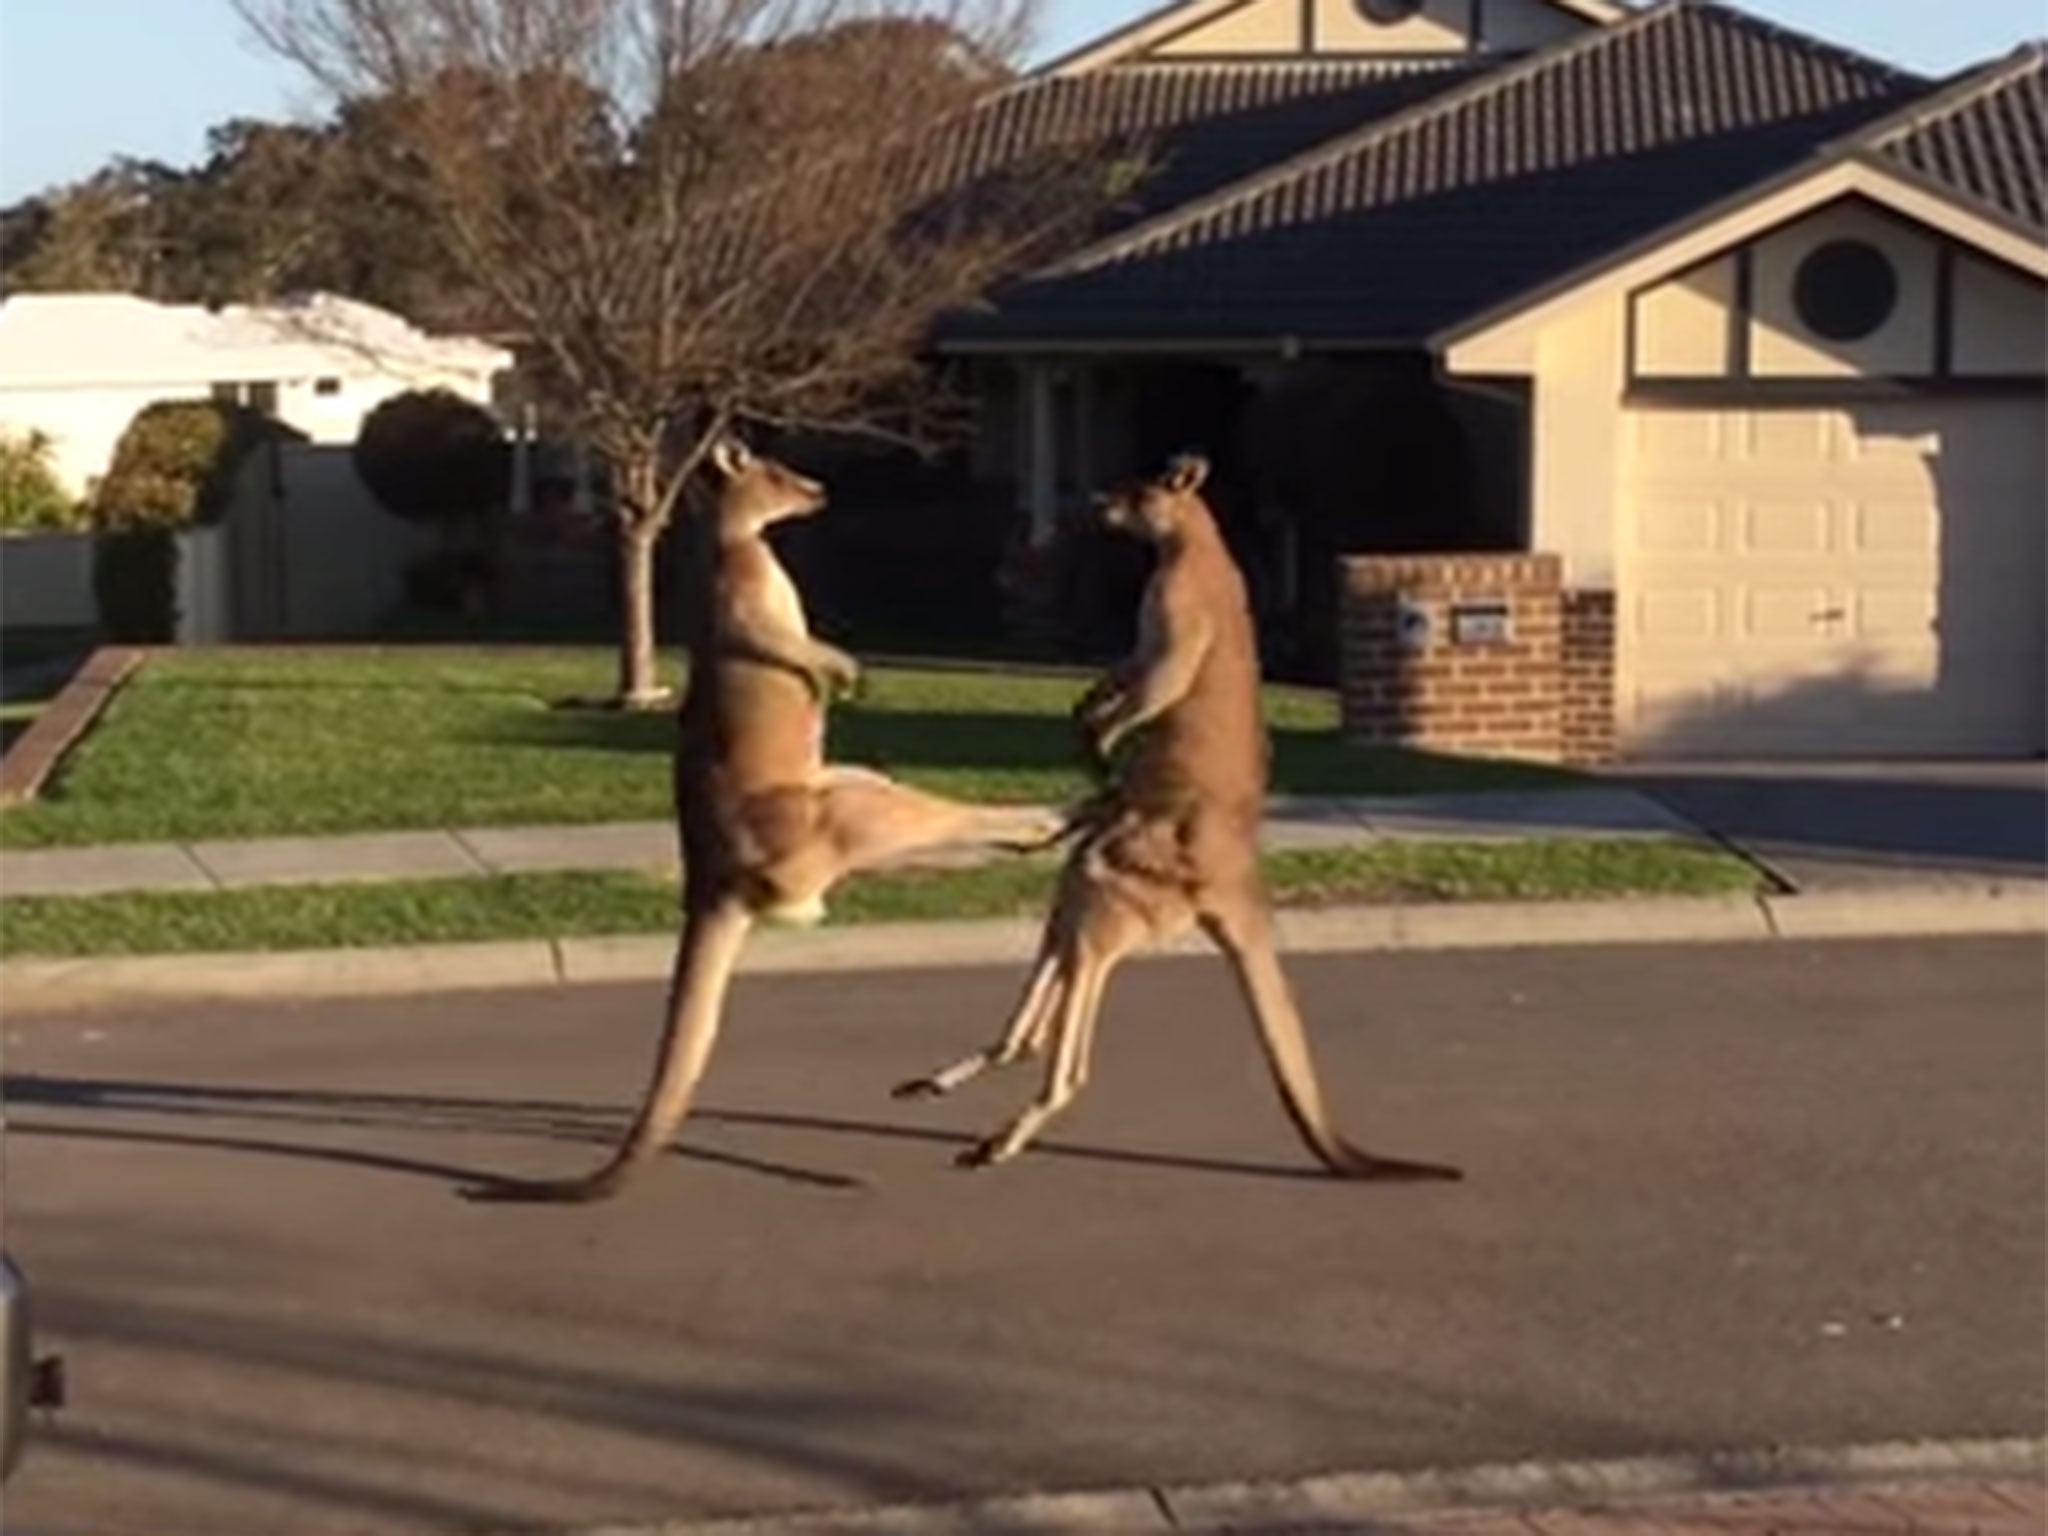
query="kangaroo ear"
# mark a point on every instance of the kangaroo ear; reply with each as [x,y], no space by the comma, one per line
[1186,473]
[729,456]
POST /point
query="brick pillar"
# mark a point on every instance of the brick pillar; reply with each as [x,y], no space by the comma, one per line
[1457,653]
[1588,719]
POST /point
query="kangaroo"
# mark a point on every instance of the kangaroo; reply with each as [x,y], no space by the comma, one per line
[1171,840]
[767,827]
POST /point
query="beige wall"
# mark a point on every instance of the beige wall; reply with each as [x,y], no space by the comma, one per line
[2001,325]
[1577,449]
[1264,26]
[1780,344]
[1682,326]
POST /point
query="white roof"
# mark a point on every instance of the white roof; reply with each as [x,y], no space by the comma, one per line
[56,339]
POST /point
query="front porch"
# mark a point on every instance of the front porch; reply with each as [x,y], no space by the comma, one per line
[1313,459]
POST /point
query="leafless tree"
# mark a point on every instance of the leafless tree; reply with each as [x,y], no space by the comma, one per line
[696,213]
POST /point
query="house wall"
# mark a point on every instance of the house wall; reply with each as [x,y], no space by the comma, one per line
[1521,24]
[1264,27]
[2001,320]
[84,422]
[1577,437]
[1682,327]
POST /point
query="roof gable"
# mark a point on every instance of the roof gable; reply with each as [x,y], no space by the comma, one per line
[1187,31]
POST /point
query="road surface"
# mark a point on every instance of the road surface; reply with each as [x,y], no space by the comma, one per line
[1717,1197]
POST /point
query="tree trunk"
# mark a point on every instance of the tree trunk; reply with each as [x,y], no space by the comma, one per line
[640,687]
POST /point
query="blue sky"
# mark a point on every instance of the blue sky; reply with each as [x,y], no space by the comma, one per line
[82,80]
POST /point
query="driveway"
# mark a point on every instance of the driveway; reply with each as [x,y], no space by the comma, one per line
[1834,823]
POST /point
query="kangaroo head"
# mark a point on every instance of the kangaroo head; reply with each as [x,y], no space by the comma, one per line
[1160,506]
[755,491]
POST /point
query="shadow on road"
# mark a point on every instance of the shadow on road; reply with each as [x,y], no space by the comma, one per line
[547,1119]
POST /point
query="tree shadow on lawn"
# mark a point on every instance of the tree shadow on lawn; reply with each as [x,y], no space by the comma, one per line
[1305,761]
[552,1120]
[884,738]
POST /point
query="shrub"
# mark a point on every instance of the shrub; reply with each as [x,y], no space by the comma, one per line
[31,497]
[173,468]
[175,464]
[430,456]
[135,584]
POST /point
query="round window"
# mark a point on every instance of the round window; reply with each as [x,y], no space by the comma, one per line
[1845,290]
[1387,12]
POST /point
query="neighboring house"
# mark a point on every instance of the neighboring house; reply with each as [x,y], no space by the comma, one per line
[1742,328]
[80,365]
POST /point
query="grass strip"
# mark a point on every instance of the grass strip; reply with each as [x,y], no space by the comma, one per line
[582,905]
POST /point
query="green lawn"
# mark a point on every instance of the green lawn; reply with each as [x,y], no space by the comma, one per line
[256,744]
[569,905]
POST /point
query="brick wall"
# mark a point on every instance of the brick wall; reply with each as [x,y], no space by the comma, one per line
[1482,654]
[1587,720]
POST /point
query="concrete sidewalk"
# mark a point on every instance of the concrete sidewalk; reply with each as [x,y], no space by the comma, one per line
[476,852]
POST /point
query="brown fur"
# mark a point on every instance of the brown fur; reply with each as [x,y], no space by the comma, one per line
[1174,837]
[767,826]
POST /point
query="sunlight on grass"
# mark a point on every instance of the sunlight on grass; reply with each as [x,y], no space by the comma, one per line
[249,744]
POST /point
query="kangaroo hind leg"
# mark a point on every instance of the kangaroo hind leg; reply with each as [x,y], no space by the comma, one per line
[1098,934]
[1025,1035]
[1242,927]
[705,958]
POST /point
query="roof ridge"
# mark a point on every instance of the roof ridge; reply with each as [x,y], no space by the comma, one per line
[1509,75]
[1527,67]
[1764,27]
[1959,91]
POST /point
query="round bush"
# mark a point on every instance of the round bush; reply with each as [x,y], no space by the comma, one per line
[430,456]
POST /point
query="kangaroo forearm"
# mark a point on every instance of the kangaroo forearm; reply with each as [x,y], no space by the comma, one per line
[797,653]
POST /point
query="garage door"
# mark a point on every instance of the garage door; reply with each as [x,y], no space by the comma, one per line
[1866,579]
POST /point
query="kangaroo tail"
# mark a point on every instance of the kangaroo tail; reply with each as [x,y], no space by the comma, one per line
[705,958]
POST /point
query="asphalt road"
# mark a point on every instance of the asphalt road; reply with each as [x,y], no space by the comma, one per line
[1717,1197]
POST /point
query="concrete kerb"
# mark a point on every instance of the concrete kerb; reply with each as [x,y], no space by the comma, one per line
[1347,1500]
[58,984]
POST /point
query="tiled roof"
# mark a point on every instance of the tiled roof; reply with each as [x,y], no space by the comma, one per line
[1200,126]
[1987,138]
[1502,183]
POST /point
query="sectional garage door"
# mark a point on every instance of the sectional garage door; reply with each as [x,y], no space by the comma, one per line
[1865,579]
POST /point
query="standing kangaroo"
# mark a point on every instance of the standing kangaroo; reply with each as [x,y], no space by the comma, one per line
[1172,840]
[767,826]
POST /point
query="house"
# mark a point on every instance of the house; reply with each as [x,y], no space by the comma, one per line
[78,366]
[1583,379]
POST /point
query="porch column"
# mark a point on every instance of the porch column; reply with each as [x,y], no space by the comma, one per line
[1041,478]
[1084,432]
